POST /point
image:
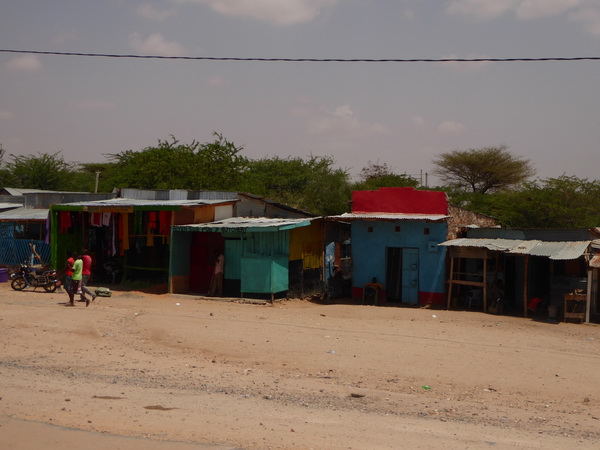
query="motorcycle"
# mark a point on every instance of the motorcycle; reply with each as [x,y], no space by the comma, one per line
[28,276]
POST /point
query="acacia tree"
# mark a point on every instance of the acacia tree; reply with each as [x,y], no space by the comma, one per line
[483,170]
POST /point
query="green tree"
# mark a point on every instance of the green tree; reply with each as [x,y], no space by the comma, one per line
[48,171]
[483,170]
[174,165]
[313,184]
[563,202]
[376,175]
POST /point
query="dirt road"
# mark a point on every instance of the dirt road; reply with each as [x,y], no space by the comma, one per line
[182,372]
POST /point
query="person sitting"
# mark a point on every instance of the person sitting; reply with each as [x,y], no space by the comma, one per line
[371,291]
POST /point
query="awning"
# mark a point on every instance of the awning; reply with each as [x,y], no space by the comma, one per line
[246,224]
[562,250]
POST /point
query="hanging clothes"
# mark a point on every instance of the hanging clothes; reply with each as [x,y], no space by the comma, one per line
[125,230]
[65,222]
[95,219]
[106,219]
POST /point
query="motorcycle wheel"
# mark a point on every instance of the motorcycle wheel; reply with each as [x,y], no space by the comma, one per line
[18,284]
[50,287]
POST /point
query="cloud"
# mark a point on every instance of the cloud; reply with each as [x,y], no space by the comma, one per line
[342,120]
[533,9]
[523,9]
[589,18]
[419,122]
[24,63]
[6,115]
[216,81]
[155,44]
[93,104]
[452,127]
[481,9]
[149,11]
[279,12]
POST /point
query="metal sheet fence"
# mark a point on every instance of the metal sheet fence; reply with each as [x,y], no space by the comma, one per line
[15,251]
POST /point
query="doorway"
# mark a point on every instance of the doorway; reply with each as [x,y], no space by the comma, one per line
[402,275]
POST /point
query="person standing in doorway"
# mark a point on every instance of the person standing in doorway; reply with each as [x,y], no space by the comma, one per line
[86,274]
[216,285]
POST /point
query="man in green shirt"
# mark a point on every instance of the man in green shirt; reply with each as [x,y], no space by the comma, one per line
[76,282]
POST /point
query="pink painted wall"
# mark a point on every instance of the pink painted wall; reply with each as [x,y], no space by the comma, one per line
[399,200]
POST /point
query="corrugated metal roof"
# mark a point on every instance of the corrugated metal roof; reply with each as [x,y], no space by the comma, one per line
[595,262]
[563,250]
[19,191]
[246,224]
[10,205]
[24,214]
[389,216]
[125,202]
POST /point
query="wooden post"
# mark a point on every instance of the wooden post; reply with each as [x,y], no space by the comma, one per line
[525,285]
[485,284]
[450,281]
[588,299]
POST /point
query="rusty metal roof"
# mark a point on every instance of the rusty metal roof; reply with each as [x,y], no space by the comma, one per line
[563,250]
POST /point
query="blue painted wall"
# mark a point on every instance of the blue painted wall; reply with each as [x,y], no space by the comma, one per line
[369,251]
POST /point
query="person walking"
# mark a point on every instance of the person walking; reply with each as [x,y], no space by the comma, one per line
[76,282]
[68,271]
[86,273]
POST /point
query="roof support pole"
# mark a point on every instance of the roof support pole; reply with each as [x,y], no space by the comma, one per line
[588,299]
[450,281]
[485,284]
[525,285]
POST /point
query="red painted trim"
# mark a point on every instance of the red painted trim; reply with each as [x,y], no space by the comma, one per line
[432,298]
[400,200]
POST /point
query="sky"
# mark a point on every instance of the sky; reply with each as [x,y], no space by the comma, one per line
[396,113]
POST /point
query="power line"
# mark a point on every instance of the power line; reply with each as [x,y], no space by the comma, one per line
[340,60]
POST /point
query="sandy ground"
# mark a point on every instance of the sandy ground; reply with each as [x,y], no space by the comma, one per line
[146,371]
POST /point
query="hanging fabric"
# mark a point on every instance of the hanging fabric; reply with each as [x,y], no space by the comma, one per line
[125,227]
[65,222]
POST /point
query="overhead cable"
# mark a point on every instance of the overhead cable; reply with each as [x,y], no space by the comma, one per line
[340,60]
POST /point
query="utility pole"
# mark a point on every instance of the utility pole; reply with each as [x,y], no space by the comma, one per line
[97,179]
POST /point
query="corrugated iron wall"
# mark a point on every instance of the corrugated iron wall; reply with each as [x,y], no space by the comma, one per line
[15,251]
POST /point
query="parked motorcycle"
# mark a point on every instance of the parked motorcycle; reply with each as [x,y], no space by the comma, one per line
[28,276]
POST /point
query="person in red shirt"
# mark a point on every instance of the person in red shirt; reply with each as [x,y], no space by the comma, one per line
[86,274]
[68,271]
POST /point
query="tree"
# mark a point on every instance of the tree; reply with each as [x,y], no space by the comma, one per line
[375,176]
[313,184]
[47,171]
[563,202]
[483,170]
[174,165]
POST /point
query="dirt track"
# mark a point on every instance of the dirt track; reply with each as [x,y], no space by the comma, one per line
[293,375]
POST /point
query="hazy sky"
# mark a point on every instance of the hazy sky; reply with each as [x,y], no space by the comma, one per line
[401,114]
